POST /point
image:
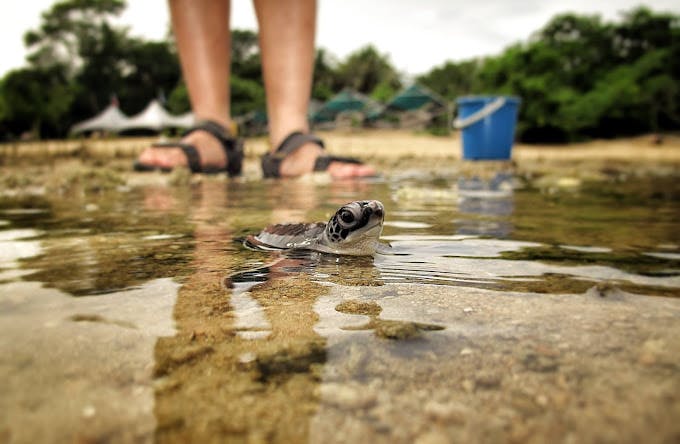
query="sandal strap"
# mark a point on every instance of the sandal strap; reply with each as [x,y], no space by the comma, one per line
[190,152]
[212,127]
[294,141]
[232,147]
[322,162]
[271,162]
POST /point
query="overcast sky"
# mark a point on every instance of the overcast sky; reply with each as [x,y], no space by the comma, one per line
[416,34]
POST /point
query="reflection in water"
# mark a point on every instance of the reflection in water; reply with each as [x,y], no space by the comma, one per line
[446,338]
[242,353]
[14,247]
[485,206]
[483,263]
[109,249]
[76,370]
[250,322]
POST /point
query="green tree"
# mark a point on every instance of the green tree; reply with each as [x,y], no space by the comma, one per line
[326,82]
[71,31]
[4,110]
[581,77]
[246,96]
[627,100]
[365,69]
[383,92]
[75,49]
[580,48]
[452,80]
[178,99]
[245,55]
[247,91]
[641,31]
[96,60]
[36,101]
[101,72]
[150,69]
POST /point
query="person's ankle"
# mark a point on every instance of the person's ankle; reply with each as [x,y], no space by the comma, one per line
[301,161]
[276,137]
[227,123]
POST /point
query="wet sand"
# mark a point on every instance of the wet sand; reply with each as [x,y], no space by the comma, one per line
[353,360]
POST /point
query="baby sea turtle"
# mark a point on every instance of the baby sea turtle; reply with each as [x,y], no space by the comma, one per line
[353,230]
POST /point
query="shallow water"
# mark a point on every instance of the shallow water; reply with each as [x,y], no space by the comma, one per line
[134,313]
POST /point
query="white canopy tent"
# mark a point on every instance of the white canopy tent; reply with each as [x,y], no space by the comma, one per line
[153,117]
[111,119]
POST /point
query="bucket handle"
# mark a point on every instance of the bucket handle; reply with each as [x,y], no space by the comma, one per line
[473,118]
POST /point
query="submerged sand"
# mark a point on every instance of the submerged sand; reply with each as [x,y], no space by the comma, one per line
[353,360]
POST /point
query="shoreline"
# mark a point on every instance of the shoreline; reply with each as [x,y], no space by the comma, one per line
[377,143]
[390,151]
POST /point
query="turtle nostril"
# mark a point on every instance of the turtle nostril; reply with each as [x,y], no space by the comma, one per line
[378,212]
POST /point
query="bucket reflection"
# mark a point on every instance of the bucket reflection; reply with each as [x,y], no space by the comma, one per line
[485,206]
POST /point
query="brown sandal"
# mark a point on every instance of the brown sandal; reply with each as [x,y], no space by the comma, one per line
[233,149]
[271,162]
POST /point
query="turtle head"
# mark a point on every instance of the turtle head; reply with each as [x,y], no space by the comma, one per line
[355,228]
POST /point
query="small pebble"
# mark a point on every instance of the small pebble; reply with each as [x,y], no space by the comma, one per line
[651,349]
[542,400]
[540,363]
[347,397]
[247,358]
[525,404]
[468,385]
[433,437]
[89,411]
[568,182]
[488,380]
[560,399]
[450,412]
[647,358]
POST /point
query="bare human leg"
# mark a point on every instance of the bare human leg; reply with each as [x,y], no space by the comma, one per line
[287,29]
[201,28]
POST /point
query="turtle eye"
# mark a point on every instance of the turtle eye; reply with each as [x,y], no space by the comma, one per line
[346,216]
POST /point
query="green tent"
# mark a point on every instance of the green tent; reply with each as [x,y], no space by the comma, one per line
[345,100]
[415,97]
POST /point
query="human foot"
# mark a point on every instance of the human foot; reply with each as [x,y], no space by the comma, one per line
[301,154]
[302,162]
[206,148]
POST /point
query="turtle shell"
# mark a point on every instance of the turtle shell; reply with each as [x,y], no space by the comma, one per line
[287,236]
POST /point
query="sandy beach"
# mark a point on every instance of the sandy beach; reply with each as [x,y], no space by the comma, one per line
[379,146]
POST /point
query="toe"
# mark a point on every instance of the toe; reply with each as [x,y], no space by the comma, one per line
[364,170]
[301,162]
[147,156]
[173,158]
[346,170]
[163,157]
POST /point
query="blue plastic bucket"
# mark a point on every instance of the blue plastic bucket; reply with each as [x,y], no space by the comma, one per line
[488,126]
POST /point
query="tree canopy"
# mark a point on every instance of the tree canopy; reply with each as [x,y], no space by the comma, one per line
[578,76]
